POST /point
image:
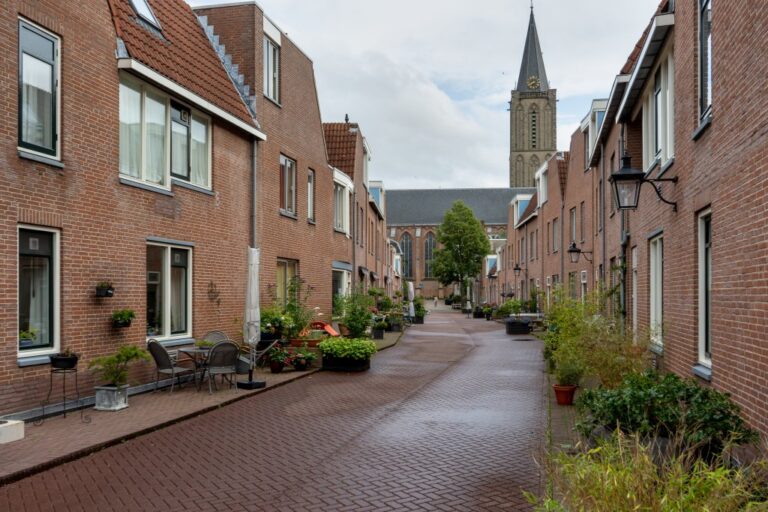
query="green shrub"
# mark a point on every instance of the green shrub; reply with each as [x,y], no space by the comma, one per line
[666,405]
[418,307]
[357,314]
[385,304]
[114,369]
[352,348]
[123,315]
[621,474]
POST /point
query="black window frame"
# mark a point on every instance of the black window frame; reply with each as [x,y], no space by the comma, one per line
[25,25]
[185,252]
[177,111]
[51,257]
[705,60]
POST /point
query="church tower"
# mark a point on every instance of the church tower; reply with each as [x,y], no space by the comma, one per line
[532,115]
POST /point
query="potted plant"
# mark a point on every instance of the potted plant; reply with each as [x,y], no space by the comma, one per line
[114,370]
[347,354]
[302,358]
[488,312]
[122,317]
[378,329]
[569,368]
[357,314]
[105,289]
[273,321]
[65,360]
[27,338]
[419,311]
[278,358]
[395,322]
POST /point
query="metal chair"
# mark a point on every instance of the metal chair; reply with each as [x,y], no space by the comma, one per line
[222,360]
[216,336]
[165,364]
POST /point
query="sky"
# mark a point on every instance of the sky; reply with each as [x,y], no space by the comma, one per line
[429,81]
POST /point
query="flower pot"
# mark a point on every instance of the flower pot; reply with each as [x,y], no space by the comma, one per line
[299,342]
[121,323]
[418,320]
[345,364]
[395,327]
[378,334]
[105,292]
[62,362]
[515,326]
[488,316]
[564,394]
[276,366]
[300,365]
[111,398]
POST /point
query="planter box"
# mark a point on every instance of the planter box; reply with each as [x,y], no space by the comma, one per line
[311,343]
[515,326]
[111,398]
[395,327]
[63,362]
[378,334]
[345,364]
[118,324]
[11,430]
[418,320]
[105,292]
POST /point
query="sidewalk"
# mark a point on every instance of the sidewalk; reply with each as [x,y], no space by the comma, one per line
[58,439]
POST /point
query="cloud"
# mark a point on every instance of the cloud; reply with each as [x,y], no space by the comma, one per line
[429,80]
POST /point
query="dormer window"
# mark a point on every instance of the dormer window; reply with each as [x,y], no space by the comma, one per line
[145,12]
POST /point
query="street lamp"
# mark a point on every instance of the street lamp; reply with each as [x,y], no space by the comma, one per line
[627,182]
[574,252]
[517,270]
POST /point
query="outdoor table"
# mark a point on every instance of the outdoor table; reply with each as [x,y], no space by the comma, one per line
[199,356]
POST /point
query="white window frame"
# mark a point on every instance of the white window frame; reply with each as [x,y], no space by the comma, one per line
[288,184]
[311,180]
[661,102]
[656,290]
[147,15]
[705,310]
[705,107]
[57,79]
[555,235]
[272,64]
[56,348]
[346,184]
[145,88]
[166,335]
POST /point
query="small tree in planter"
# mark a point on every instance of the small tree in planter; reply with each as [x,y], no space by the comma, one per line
[347,354]
[122,317]
[378,329]
[357,314]
[114,370]
[419,311]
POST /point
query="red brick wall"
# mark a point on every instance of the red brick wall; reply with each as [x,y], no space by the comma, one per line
[104,225]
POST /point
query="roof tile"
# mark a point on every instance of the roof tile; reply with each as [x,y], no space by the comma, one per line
[341,142]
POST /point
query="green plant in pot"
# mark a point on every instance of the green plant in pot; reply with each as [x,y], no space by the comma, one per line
[302,358]
[122,317]
[569,369]
[347,354]
[65,360]
[105,289]
[113,370]
[378,329]
[357,314]
[278,358]
[419,311]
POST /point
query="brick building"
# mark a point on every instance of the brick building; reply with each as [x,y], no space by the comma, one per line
[126,158]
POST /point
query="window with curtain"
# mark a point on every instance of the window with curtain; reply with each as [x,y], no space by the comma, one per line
[705,288]
[169,299]
[429,249]
[286,271]
[38,102]
[146,131]
[287,185]
[340,208]
[271,70]
[656,290]
[311,195]
[406,244]
[37,289]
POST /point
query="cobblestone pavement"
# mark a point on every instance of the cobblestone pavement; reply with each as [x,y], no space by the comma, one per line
[450,419]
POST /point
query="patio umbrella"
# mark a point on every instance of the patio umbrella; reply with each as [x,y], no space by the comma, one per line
[252,324]
[411,312]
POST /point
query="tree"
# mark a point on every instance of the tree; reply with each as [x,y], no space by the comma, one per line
[463,245]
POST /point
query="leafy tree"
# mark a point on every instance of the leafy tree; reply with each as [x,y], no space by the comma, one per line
[463,245]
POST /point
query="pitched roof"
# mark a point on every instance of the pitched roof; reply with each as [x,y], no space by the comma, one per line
[179,51]
[341,143]
[635,53]
[562,168]
[533,61]
[428,207]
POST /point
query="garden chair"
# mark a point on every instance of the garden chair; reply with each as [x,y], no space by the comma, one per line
[222,360]
[216,336]
[165,364]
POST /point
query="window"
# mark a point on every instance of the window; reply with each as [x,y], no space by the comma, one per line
[146,128]
[582,211]
[340,208]
[656,289]
[169,291]
[705,57]
[705,288]
[659,115]
[406,244]
[38,291]
[429,249]
[287,271]
[145,12]
[39,91]
[548,239]
[572,284]
[311,195]
[534,128]
[287,185]
[634,292]
[271,70]
[573,224]
[555,235]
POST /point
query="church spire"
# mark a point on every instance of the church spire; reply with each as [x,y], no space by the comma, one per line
[533,77]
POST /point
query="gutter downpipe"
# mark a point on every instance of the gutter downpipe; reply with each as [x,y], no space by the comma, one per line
[604,244]
[623,254]
[254,182]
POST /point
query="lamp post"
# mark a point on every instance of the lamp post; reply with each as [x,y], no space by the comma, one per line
[627,182]
[574,253]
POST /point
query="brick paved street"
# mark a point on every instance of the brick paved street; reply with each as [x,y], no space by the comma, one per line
[450,419]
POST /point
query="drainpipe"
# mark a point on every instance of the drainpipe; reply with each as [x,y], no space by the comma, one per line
[353,222]
[601,213]
[254,185]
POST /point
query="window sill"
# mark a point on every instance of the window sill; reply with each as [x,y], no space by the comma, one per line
[273,101]
[145,186]
[173,342]
[40,159]
[656,349]
[705,122]
[290,215]
[653,166]
[39,360]
[340,231]
[190,186]
[702,372]
[311,222]
[666,167]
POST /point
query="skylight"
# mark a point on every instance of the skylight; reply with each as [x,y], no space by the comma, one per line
[145,12]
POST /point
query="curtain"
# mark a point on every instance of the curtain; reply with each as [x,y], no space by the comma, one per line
[179,149]
[199,152]
[155,118]
[37,104]
[130,131]
[35,299]
[178,299]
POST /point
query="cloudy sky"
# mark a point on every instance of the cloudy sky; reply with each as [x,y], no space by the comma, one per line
[429,80]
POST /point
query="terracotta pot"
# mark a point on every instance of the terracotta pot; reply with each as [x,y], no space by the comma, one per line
[300,364]
[276,366]
[564,394]
[299,342]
